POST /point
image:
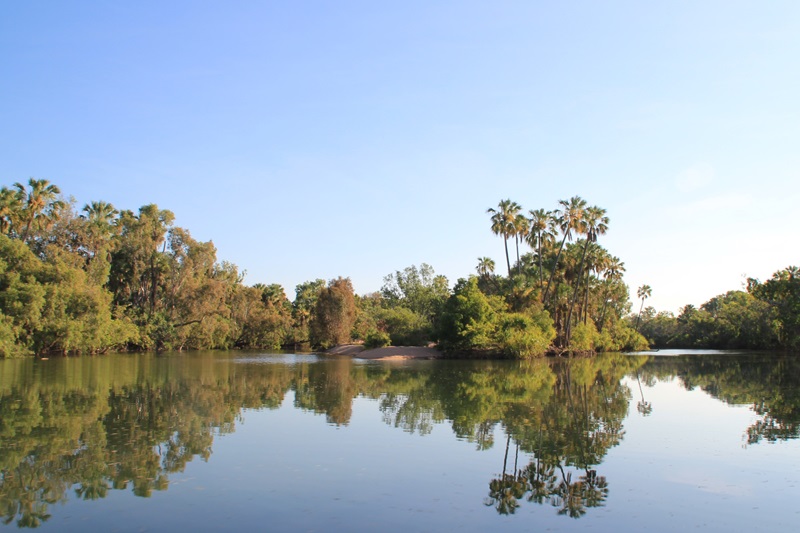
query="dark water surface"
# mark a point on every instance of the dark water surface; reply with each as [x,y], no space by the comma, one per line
[251,441]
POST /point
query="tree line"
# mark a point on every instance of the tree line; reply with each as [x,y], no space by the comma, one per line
[99,279]
[765,316]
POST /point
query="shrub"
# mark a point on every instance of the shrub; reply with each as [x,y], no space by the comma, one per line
[583,338]
[377,339]
[404,326]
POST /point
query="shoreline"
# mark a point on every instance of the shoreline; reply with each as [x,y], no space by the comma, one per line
[387,353]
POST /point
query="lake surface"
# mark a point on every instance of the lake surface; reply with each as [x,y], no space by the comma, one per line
[285,442]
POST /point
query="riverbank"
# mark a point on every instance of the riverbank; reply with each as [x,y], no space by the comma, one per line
[387,353]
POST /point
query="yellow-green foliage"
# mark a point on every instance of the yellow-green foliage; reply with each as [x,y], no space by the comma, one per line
[526,335]
[620,337]
[583,337]
[52,306]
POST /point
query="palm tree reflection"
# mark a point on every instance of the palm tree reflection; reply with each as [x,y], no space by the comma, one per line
[552,484]
[643,407]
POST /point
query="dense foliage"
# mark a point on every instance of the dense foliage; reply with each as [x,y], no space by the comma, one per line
[767,316]
[560,296]
[100,279]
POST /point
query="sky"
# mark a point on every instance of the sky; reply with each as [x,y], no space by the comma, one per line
[317,139]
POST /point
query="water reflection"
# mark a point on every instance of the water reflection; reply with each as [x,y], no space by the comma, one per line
[566,437]
[79,428]
[768,382]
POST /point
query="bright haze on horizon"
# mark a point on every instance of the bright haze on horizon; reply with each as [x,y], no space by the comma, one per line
[315,140]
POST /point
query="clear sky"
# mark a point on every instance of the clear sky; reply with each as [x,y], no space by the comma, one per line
[322,139]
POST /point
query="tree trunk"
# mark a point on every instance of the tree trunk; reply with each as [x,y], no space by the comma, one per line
[555,266]
[508,262]
[577,289]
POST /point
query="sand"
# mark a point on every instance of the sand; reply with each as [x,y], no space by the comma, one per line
[387,353]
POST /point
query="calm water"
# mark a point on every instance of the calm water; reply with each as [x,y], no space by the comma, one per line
[252,441]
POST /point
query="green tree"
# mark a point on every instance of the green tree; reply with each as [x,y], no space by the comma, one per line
[643,293]
[39,206]
[503,223]
[10,210]
[569,218]
[782,292]
[593,223]
[521,229]
[22,297]
[420,290]
[470,319]
[304,306]
[138,262]
[614,270]
[539,236]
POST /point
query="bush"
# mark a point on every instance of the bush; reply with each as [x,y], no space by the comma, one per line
[470,319]
[522,338]
[583,338]
[526,335]
[377,339]
[620,336]
[404,326]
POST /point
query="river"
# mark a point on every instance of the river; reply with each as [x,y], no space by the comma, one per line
[288,442]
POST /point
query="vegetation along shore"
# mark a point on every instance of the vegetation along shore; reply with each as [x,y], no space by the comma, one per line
[97,279]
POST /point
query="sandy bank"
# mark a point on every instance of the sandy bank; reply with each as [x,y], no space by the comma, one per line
[386,353]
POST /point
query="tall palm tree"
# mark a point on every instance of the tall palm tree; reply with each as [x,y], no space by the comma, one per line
[521,230]
[40,204]
[538,234]
[569,218]
[644,293]
[593,223]
[596,261]
[614,270]
[503,223]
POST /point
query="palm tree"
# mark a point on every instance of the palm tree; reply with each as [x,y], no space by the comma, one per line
[40,204]
[521,230]
[613,272]
[643,407]
[485,267]
[593,223]
[596,261]
[10,210]
[644,293]
[101,213]
[503,223]
[569,218]
[538,234]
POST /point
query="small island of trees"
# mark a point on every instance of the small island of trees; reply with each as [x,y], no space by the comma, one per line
[97,279]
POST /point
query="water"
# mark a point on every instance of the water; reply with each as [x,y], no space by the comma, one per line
[286,442]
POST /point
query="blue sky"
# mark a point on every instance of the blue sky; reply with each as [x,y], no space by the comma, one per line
[318,139]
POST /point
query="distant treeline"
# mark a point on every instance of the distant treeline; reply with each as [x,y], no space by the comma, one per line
[766,317]
[97,279]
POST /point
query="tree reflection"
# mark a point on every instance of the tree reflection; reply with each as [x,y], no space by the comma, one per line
[85,427]
[574,430]
[770,383]
[646,408]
